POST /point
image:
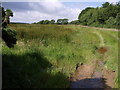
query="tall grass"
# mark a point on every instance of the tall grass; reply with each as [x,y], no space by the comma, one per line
[46,55]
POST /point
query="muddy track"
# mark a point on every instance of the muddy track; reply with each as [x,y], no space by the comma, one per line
[93,75]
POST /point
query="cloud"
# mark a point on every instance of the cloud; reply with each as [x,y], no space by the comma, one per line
[47,7]
[33,12]
[112,1]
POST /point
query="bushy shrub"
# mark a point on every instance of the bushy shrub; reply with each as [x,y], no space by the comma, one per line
[9,36]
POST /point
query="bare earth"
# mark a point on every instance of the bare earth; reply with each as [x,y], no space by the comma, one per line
[93,76]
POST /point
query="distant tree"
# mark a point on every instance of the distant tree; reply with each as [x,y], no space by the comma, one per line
[76,22]
[59,21]
[118,3]
[41,22]
[106,4]
[46,22]
[64,21]
[52,21]
[34,23]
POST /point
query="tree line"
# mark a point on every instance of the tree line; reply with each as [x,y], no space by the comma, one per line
[106,16]
[59,21]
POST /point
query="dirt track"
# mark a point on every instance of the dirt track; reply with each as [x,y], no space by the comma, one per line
[93,75]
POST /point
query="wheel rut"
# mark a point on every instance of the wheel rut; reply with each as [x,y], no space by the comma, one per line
[93,75]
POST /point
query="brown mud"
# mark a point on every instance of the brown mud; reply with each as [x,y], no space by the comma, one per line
[93,75]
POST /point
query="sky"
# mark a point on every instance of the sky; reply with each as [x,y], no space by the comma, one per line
[30,12]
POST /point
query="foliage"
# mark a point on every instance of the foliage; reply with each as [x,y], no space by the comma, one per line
[65,21]
[52,21]
[105,16]
[46,22]
[76,22]
[41,22]
[9,12]
[106,4]
[84,11]
[59,21]
[111,22]
[118,20]
[8,35]
[62,21]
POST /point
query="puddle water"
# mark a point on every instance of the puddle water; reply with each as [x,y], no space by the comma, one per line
[88,83]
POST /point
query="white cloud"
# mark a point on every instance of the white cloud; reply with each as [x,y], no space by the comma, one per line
[48,7]
[112,1]
[46,10]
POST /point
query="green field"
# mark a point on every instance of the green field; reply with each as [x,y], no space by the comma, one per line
[46,55]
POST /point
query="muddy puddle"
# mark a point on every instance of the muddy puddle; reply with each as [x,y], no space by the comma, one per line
[93,76]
